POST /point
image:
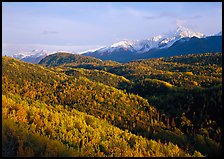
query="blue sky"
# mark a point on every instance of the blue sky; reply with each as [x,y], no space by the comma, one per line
[78,26]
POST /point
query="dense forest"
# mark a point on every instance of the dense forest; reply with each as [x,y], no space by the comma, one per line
[74,105]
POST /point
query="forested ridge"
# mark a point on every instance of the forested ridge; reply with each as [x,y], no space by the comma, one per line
[88,107]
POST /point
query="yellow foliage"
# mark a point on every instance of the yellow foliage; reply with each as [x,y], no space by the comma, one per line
[188,73]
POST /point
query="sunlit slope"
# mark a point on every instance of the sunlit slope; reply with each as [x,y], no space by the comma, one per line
[36,129]
[96,76]
[59,59]
[127,111]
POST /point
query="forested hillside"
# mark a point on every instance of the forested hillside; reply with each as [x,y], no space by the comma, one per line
[65,58]
[88,107]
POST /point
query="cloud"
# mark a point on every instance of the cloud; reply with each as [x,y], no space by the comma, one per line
[168,14]
[186,23]
[193,17]
[181,22]
[161,15]
[49,32]
[150,17]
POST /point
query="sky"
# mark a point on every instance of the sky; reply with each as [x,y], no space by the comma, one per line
[79,26]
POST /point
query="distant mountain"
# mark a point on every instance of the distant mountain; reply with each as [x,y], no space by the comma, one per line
[158,46]
[218,34]
[180,41]
[183,46]
[34,56]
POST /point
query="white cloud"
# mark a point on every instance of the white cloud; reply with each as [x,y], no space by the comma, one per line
[181,22]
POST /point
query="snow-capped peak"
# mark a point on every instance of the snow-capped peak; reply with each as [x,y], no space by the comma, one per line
[141,46]
[156,38]
[180,32]
[186,32]
[91,50]
[123,44]
[20,55]
[34,54]
[145,45]
[38,53]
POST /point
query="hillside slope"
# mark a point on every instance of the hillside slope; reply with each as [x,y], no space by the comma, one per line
[85,92]
[40,130]
[65,58]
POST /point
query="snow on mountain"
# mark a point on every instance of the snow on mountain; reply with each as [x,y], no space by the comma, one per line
[37,53]
[157,38]
[91,50]
[20,55]
[141,46]
[145,45]
[124,44]
[127,47]
[186,32]
[218,34]
[169,39]
[33,53]
[33,56]
[61,51]
[181,32]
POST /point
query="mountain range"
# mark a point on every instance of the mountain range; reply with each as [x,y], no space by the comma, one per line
[181,41]
[34,56]
[160,41]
